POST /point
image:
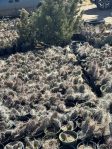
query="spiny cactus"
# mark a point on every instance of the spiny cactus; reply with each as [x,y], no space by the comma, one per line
[50,144]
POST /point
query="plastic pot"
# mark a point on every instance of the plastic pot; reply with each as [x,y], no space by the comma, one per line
[67,147]
[103,88]
[1,146]
[68,137]
[51,130]
[39,133]
[35,144]
[16,144]
[48,142]
[103,146]
[87,145]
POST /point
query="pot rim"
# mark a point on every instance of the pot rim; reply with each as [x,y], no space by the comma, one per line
[90,142]
[50,132]
[69,132]
[2,145]
[66,146]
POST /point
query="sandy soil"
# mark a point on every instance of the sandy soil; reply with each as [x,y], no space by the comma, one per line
[91,12]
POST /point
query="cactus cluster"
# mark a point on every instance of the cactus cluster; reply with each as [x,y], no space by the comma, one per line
[44,93]
[49,98]
[98,35]
[98,64]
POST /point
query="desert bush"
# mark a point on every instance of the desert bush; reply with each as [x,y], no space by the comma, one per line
[54,23]
[25,30]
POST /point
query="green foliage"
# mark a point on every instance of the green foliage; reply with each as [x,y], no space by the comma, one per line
[25,29]
[53,23]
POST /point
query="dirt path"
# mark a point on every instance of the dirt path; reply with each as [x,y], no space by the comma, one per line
[91,12]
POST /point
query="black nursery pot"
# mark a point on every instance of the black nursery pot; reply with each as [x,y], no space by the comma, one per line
[85,145]
[67,141]
[39,134]
[51,130]
[67,147]
[1,146]
[102,143]
[103,146]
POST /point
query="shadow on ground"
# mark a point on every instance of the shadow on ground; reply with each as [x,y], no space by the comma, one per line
[92,12]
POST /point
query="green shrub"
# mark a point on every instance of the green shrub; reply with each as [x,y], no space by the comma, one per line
[25,30]
[54,23]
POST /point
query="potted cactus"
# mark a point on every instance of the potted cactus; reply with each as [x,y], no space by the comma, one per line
[69,126]
[51,130]
[68,137]
[50,143]
[87,145]
[16,144]
[35,144]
